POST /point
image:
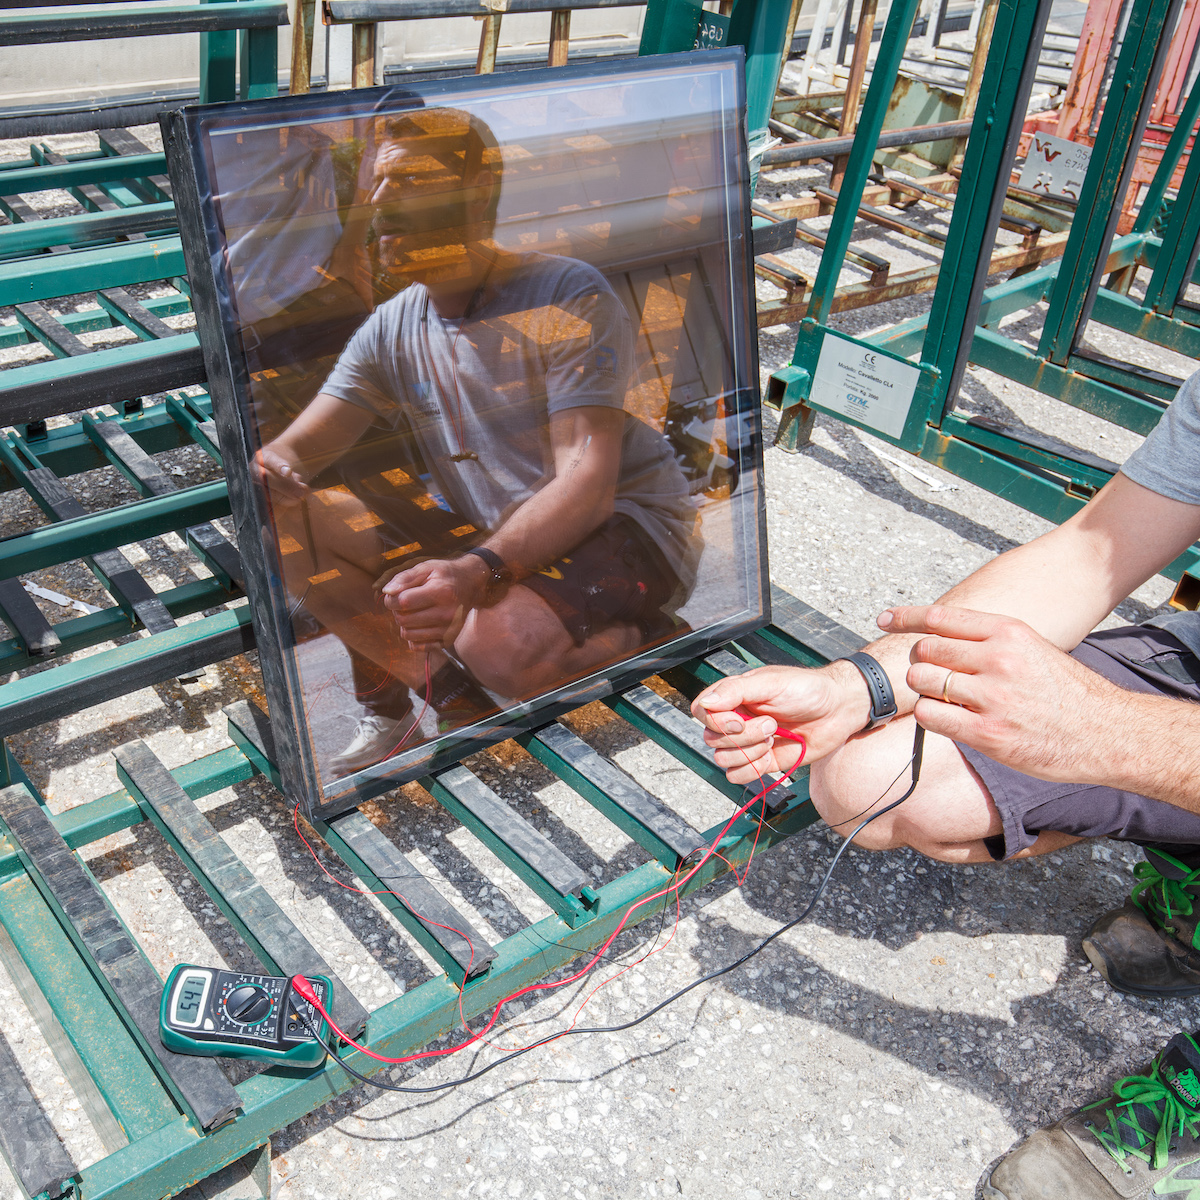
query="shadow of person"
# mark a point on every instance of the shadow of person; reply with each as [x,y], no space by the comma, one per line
[977,979]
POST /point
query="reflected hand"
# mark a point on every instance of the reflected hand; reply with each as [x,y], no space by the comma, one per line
[431,600]
[826,706]
[1009,693]
[280,475]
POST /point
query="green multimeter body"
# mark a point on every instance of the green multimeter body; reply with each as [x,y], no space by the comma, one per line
[216,1013]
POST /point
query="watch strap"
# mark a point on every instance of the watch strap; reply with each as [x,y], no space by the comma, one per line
[883,699]
[501,575]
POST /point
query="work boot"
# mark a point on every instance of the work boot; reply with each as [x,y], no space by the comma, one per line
[457,698]
[1138,1144]
[1151,945]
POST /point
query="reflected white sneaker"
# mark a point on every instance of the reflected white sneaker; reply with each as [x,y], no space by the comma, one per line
[375,738]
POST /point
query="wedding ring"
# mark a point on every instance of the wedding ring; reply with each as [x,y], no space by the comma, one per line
[946,688]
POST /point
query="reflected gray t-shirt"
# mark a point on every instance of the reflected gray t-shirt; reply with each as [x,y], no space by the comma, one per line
[547,336]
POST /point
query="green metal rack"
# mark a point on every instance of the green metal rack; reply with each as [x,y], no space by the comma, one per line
[1037,471]
[166,1121]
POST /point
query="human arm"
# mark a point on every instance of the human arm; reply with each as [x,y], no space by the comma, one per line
[585,444]
[1060,586]
[1019,699]
[320,435]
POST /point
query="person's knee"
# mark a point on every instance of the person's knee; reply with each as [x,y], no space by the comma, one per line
[846,788]
[510,651]
[946,818]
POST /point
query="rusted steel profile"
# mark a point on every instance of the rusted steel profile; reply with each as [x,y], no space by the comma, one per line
[858,72]
[890,139]
[911,283]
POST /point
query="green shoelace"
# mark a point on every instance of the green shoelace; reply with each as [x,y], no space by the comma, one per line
[1149,1092]
[1158,896]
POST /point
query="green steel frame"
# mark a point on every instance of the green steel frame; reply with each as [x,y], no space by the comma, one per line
[1038,472]
[160,1128]
[165,1150]
[233,33]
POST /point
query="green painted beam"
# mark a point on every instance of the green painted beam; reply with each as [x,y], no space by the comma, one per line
[1011,359]
[892,47]
[147,1169]
[87,823]
[1135,77]
[1021,484]
[54,275]
[92,320]
[1012,295]
[112,527]
[117,1066]
[29,237]
[78,633]
[67,450]
[47,695]
[259,68]
[73,23]
[677,748]
[55,386]
[1120,375]
[979,200]
[99,169]
[524,866]
[1177,258]
[1185,126]
[1081,475]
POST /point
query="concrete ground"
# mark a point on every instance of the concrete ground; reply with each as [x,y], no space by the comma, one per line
[921,1022]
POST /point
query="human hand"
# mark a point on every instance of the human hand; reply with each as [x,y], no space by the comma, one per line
[824,706]
[280,474]
[999,686]
[430,601]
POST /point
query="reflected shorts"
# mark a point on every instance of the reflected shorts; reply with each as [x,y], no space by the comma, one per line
[1138,659]
[616,575]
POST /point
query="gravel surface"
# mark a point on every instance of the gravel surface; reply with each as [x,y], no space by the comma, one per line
[925,1018]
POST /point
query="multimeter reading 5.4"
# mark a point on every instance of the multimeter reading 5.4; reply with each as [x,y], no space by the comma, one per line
[230,1014]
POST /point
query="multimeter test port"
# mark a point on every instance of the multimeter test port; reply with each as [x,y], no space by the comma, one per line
[231,1014]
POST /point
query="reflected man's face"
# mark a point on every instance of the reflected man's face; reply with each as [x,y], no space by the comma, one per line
[425,215]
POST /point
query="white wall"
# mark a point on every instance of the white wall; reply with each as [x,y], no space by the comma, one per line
[82,71]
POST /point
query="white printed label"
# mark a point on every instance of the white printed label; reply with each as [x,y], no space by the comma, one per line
[865,385]
[1055,166]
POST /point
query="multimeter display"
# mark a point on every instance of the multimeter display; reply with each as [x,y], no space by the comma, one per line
[216,1013]
[187,1007]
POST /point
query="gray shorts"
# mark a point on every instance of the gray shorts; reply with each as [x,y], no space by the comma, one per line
[1138,659]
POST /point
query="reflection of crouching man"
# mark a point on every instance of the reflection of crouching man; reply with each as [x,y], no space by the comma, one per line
[500,379]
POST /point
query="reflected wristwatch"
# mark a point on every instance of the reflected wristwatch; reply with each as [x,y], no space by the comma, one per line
[501,575]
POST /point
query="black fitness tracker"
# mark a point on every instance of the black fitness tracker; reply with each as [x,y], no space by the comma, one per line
[501,575]
[883,699]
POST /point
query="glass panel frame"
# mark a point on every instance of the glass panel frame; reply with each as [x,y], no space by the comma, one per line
[275,194]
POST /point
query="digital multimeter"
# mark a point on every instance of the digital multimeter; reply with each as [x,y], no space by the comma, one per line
[230,1014]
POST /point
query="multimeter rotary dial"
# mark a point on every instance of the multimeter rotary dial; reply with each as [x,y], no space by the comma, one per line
[248,1004]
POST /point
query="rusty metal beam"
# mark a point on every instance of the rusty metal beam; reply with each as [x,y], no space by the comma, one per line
[889,139]
[911,283]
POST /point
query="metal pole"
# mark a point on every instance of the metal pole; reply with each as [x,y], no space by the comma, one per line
[911,135]
[364,54]
[489,42]
[302,46]
[858,71]
[560,37]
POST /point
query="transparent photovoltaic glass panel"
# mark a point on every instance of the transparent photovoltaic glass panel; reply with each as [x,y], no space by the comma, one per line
[499,393]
